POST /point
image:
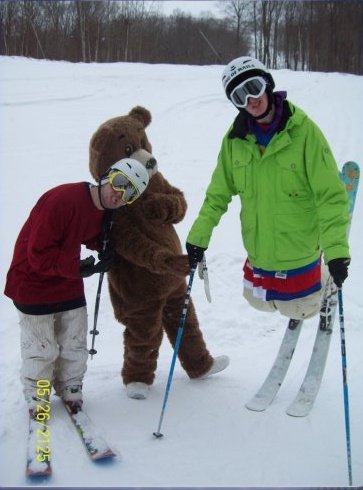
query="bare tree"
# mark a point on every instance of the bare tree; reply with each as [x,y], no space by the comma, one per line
[8,14]
[236,11]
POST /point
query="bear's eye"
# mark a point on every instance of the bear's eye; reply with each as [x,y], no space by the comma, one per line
[128,150]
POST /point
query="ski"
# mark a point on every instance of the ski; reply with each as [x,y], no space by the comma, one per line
[265,395]
[309,388]
[96,446]
[308,391]
[38,463]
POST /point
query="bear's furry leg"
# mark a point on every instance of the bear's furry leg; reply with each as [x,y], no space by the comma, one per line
[142,339]
[193,353]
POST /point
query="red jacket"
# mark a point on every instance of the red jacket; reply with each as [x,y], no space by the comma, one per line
[45,265]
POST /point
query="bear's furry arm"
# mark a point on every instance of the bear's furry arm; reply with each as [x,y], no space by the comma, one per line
[162,202]
[164,208]
[133,245]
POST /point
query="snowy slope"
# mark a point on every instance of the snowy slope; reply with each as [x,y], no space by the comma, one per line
[48,111]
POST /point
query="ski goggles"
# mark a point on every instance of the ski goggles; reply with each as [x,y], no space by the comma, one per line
[252,87]
[121,183]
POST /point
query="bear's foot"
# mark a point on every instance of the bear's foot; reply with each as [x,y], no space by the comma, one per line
[219,364]
[137,390]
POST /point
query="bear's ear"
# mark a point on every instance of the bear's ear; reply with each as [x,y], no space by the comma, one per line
[141,114]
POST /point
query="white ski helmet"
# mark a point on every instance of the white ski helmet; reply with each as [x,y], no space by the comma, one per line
[242,68]
[133,170]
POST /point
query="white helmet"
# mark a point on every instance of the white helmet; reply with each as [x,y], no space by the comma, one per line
[135,172]
[242,68]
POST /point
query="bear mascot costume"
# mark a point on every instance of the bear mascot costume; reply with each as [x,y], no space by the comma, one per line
[147,279]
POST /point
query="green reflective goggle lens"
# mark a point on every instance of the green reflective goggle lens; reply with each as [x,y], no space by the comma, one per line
[252,87]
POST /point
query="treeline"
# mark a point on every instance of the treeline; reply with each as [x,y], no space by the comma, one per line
[309,35]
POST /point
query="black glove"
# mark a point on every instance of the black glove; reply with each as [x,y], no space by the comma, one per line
[106,259]
[338,269]
[88,267]
[107,255]
[195,254]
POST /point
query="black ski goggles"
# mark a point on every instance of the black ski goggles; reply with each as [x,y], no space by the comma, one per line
[121,183]
[252,87]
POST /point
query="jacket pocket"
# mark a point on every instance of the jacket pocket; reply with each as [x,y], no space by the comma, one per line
[296,236]
[292,184]
[242,176]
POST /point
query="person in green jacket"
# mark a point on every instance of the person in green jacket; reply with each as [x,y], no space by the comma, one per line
[294,207]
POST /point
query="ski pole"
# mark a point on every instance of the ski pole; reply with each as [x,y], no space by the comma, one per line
[107,225]
[345,384]
[94,331]
[183,315]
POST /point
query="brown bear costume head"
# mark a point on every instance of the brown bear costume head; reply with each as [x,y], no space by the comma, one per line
[118,138]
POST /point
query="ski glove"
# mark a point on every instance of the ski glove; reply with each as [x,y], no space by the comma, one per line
[195,254]
[107,255]
[88,267]
[338,269]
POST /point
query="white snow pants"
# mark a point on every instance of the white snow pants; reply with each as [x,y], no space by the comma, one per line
[298,309]
[53,347]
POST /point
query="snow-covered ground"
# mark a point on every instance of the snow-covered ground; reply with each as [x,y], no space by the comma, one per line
[48,113]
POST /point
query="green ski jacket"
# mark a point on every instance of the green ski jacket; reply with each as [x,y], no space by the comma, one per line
[293,203]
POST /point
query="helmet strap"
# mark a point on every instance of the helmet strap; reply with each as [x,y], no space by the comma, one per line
[100,196]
